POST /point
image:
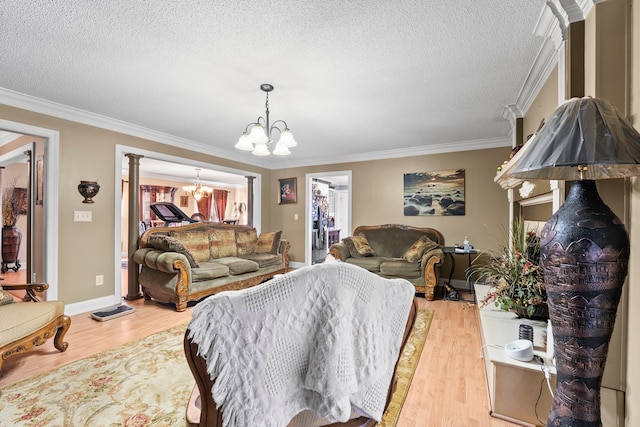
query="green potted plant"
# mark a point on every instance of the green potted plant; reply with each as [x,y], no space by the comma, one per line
[515,276]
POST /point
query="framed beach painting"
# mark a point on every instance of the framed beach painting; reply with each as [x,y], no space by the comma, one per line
[288,191]
[437,193]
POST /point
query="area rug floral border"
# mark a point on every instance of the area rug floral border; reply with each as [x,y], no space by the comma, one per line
[146,382]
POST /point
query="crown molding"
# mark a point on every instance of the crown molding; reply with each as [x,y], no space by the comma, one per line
[576,10]
[54,109]
[449,147]
[552,25]
[38,105]
[512,112]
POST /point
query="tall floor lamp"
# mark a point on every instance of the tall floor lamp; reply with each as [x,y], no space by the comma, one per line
[584,246]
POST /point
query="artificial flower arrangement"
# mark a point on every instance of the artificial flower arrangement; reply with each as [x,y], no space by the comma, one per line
[10,207]
[515,276]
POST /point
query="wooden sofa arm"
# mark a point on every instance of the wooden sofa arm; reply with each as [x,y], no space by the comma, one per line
[30,288]
[283,249]
[339,251]
[429,262]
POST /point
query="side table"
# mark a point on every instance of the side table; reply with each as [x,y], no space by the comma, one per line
[334,236]
[452,252]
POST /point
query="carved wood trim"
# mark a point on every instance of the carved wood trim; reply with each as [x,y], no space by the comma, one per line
[58,326]
[181,300]
[335,253]
[430,278]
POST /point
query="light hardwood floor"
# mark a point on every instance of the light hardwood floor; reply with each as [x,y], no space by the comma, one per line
[448,389]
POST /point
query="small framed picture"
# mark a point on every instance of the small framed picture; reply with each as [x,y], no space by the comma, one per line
[39,179]
[21,200]
[184,201]
[288,191]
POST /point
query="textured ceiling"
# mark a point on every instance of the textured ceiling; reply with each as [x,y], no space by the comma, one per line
[353,79]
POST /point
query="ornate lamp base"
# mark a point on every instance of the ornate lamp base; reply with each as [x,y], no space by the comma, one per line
[584,253]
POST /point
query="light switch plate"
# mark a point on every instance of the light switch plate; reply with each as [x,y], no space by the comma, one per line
[82,216]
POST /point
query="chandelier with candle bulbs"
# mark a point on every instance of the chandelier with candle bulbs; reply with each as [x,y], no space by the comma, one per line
[197,190]
[257,136]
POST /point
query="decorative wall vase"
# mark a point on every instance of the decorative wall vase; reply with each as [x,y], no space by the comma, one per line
[11,239]
[88,189]
[584,254]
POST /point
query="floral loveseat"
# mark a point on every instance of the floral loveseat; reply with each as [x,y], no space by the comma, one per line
[395,250]
[189,262]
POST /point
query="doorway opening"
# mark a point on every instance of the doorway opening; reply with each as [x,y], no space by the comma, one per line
[328,213]
[168,174]
[30,155]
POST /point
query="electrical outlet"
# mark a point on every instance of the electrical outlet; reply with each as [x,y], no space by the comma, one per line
[295,217]
[82,216]
[99,280]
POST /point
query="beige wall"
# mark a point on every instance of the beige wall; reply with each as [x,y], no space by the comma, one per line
[607,76]
[88,153]
[378,197]
[543,105]
[609,47]
[633,338]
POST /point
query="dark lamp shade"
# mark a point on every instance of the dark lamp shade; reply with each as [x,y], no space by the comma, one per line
[587,132]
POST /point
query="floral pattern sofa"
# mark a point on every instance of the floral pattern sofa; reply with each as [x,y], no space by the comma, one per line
[396,250]
[189,262]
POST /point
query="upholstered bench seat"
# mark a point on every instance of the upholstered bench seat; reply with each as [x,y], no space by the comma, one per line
[265,260]
[238,265]
[209,270]
[21,319]
[400,268]
[24,325]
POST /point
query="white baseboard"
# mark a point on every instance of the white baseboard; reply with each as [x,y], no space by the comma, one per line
[457,283]
[91,305]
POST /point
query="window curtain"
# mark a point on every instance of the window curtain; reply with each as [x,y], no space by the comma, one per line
[214,213]
[220,199]
[204,207]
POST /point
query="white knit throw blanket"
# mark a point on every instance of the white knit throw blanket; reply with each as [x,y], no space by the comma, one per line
[320,338]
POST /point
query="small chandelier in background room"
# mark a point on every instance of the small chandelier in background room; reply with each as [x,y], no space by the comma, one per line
[257,136]
[197,190]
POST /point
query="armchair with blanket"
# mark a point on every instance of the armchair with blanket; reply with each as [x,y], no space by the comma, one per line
[326,345]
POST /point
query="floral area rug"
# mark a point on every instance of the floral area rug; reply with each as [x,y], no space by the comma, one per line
[146,382]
